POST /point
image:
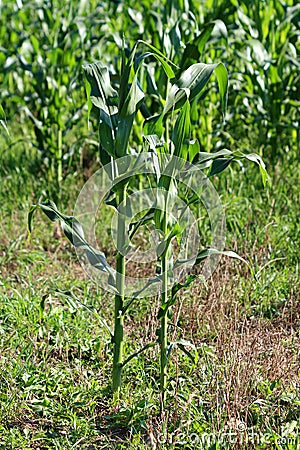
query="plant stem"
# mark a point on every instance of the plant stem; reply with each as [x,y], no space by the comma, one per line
[164,335]
[118,338]
[164,318]
[59,158]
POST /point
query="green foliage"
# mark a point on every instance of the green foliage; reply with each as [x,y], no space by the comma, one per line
[42,48]
[116,105]
[267,80]
[157,88]
[41,80]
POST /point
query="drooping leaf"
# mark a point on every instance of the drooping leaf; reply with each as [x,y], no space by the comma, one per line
[74,232]
[218,165]
[203,254]
[165,62]
[102,94]
[203,160]
[254,157]
[212,251]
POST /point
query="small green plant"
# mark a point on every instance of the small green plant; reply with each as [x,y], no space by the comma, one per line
[165,149]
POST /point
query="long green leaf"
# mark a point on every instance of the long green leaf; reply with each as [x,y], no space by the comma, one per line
[203,254]
[105,99]
[102,94]
[219,164]
[222,77]
[193,50]
[254,157]
[74,232]
[131,104]
[166,63]
[181,132]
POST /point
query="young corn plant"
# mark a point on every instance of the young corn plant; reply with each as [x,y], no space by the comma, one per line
[116,109]
[164,148]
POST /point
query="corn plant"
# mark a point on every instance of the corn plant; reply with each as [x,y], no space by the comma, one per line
[265,91]
[164,148]
[117,110]
[42,47]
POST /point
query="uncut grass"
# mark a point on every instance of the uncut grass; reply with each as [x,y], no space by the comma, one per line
[247,363]
[248,368]
[59,354]
[56,356]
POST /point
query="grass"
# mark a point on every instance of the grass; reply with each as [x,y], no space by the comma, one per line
[56,353]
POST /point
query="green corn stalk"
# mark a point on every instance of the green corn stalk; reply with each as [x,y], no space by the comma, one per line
[116,109]
[118,338]
[118,106]
[183,92]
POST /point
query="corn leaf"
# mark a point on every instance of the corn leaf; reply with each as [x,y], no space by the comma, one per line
[74,232]
[203,254]
[102,94]
[218,165]
[192,82]
[165,62]
[193,50]
[181,132]
[131,104]
[104,98]
[222,77]
[254,157]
